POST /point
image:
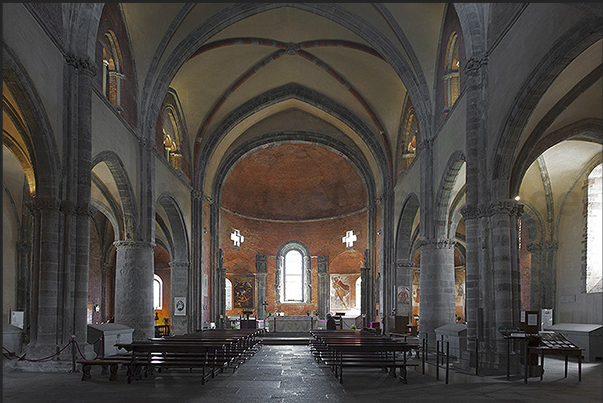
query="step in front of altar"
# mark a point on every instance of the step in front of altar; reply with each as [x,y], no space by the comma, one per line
[285,338]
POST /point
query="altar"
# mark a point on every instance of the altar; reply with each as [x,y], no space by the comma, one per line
[291,323]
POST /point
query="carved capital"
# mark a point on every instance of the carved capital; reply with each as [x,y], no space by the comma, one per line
[261,264]
[510,207]
[82,64]
[85,209]
[323,264]
[199,195]
[425,144]
[534,247]
[131,245]
[474,64]
[45,203]
[402,265]
[68,207]
[438,243]
[550,246]
[470,212]
[179,265]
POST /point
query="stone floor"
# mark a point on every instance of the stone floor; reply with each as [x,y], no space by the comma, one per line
[288,373]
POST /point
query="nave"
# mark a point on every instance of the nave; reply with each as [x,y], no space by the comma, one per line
[288,373]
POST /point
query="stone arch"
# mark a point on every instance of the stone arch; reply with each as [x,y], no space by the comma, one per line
[281,94]
[471,19]
[417,88]
[125,189]
[442,200]
[404,235]
[44,153]
[179,237]
[585,129]
[84,18]
[576,40]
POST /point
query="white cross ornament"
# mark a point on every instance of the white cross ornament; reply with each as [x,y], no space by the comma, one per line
[349,239]
[237,238]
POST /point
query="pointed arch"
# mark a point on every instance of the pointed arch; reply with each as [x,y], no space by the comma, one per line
[44,154]
[125,189]
[404,234]
[444,194]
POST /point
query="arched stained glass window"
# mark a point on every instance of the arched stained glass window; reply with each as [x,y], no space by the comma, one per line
[112,74]
[451,71]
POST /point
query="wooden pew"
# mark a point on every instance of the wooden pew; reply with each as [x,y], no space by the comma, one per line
[340,349]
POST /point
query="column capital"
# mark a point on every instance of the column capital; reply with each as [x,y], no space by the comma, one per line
[82,64]
[534,247]
[130,245]
[405,264]
[475,63]
[44,203]
[507,206]
[179,265]
[438,243]
[261,264]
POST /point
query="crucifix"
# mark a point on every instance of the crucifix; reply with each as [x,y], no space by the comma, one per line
[237,238]
[349,239]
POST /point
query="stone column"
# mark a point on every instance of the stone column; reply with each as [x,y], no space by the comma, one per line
[180,324]
[404,288]
[504,216]
[437,285]
[134,287]
[323,286]
[261,269]
[535,248]
[45,264]
[220,287]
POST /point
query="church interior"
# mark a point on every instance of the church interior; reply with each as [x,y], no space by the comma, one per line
[408,166]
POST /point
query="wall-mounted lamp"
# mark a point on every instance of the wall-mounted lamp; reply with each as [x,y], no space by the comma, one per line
[378,232]
[97,308]
[517,198]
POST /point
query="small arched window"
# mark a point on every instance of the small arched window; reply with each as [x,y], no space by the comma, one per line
[411,137]
[293,273]
[228,295]
[451,72]
[594,231]
[157,292]
[171,139]
[112,75]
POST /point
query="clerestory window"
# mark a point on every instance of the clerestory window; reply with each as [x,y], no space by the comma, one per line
[451,71]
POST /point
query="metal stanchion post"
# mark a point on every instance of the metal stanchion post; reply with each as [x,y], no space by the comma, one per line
[73,353]
[447,360]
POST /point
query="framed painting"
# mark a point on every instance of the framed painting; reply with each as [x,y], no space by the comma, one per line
[242,291]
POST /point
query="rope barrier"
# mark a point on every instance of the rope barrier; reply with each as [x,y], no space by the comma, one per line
[22,358]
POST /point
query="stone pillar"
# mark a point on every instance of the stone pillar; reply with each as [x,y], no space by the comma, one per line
[472,275]
[220,287]
[134,287]
[404,288]
[323,286]
[437,285]
[45,264]
[504,217]
[535,249]
[261,269]
[180,324]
